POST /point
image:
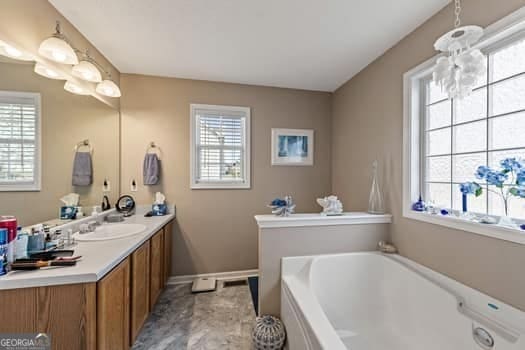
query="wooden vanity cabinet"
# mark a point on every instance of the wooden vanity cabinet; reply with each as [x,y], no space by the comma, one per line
[140,286]
[156,267]
[66,312]
[106,315]
[167,232]
[113,308]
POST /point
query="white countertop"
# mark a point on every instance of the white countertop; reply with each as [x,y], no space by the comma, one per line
[316,219]
[98,258]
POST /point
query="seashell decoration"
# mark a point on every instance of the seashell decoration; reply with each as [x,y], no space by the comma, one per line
[268,333]
[282,207]
[331,205]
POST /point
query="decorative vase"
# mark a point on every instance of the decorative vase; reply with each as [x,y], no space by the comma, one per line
[375,201]
[268,333]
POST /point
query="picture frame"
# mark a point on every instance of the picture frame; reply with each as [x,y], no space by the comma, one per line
[293,147]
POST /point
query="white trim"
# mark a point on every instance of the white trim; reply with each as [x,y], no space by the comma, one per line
[290,161]
[302,220]
[36,185]
[246,183]
[220,276]
[497,31]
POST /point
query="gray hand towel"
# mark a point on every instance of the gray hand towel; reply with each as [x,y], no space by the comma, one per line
[82,169]
[151,169]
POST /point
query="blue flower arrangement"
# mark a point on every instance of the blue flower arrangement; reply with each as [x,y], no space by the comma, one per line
[509,181]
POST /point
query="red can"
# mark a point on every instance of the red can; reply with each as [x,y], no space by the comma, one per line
[9,222]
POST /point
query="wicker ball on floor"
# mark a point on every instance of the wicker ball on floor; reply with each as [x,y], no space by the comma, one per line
[268,333]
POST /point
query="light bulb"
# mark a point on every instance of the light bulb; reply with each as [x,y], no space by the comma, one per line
[47,72]
[75,89]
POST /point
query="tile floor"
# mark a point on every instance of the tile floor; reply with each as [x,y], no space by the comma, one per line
[207,321]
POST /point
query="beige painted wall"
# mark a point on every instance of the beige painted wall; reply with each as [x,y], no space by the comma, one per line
[216,230]
[66,119]
[367,125]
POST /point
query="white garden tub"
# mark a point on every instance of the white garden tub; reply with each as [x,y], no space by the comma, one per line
[370,301]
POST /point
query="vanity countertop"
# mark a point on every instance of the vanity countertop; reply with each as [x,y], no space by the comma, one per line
[98,258]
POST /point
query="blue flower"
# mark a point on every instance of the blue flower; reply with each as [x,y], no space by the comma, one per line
[470,188]
[510,164]
[496,178]
[482,172]
[279,202]
[520,177]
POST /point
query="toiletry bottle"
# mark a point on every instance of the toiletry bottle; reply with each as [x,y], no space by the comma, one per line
[22,240]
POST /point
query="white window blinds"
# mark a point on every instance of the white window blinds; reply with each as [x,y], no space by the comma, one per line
[220,150]
[19,141]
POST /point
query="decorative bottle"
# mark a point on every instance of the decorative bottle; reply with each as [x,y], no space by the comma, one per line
[375,201]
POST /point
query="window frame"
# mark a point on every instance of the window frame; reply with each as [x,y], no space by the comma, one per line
[36,184]
[496,35]
[245,183]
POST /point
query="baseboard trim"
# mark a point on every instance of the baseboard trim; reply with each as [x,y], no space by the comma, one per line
[218,275]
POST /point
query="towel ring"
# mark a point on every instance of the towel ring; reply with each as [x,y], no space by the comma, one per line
[84,143]
[153,146]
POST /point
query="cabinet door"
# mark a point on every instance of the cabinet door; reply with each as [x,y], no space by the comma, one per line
[67,313]
[139,289]
[167,251]
[156,263]
[113,301]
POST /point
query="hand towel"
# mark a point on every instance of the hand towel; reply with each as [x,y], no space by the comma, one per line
[151,169]
[82,169]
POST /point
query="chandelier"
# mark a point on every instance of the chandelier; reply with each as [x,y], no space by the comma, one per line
[458,71]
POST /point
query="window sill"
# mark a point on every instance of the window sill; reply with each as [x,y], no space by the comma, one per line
[494,231]
[220,186]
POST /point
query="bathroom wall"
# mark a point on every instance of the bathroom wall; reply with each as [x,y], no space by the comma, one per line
[215,230]
[368,124]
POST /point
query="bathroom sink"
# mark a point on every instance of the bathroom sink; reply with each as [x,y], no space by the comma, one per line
[111,231]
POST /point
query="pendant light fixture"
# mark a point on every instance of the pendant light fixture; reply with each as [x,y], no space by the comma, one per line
[86,70]
[108,88]
[57,48]
[12,52]
[75,88]
[47,72]
[458,72]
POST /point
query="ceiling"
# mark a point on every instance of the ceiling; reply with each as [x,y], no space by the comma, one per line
[304,44]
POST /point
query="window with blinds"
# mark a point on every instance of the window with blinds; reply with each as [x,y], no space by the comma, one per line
[220,150]
[19,141]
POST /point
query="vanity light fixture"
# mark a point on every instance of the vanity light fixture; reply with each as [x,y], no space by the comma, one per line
[12,52]
[57,48]
[87,71]
[75,89]
[47,72]
[459,70]
[108,88]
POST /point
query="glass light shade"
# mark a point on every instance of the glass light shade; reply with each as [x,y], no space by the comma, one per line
[12,52]
[48,72]
[75,89]
[87,71]
[58,50]
[108,88]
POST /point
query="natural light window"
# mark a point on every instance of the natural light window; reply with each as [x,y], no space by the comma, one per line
[481,129]
[446,140]
[19,141]
[220,146]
